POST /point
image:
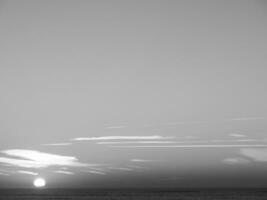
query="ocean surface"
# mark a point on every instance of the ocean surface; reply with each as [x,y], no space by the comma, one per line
[155,194]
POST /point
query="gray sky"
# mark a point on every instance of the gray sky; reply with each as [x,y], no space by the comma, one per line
[133,93]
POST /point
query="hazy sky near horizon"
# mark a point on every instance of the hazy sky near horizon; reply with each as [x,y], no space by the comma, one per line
[133,93]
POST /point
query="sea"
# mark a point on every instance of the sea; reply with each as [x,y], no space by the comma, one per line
[133,194]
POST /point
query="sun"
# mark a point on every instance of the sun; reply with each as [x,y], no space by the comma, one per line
[39,182]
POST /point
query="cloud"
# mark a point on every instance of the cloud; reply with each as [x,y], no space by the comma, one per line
[180,142]
[234,161]
[139,142]
[36,159]
[152,137]
[142,160]
[190,137]
[181,123]
[96,172]
[22,163]
[193,146]
[137,167]
[249,140]
[57,144]
[121,168]
[164,142]
[5,171]
[64,172]
[247,118]
[4,174]
[27,172]
[237,135]
[258,155]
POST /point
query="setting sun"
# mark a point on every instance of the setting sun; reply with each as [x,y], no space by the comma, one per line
[39,182]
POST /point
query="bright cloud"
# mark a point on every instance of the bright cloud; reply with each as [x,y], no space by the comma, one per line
[152,137]
[36,159]
[22,163]
[258,155]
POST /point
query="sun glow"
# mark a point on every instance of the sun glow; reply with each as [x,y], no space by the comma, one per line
[39,182]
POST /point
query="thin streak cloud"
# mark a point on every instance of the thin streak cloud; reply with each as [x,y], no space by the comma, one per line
[95,172]
[237,135]
[139,142]
[250,140]
[57,144]
[193,146]
[121,168]
[27,172]
[5,171]
[152,137]
[64,172]
[143,160]
[181,142]
[247,118]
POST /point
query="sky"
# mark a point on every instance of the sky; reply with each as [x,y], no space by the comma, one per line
[98,94]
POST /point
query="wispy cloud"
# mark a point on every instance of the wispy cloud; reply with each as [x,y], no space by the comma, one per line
[152,137]
[122,168]
[97,169]
[234,161]
[36,159]
[57,144]
[137,167]
[4,174]
[64,172]
[181,123]
[190,137]
[258,155]
[95,172]
[27,172]
[237,135]
[193,146]
[143,160]
[249,140]
[139,142]
[6,171]
[212,141]
[247,118]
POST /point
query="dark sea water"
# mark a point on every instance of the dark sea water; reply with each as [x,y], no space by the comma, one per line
[79,194]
